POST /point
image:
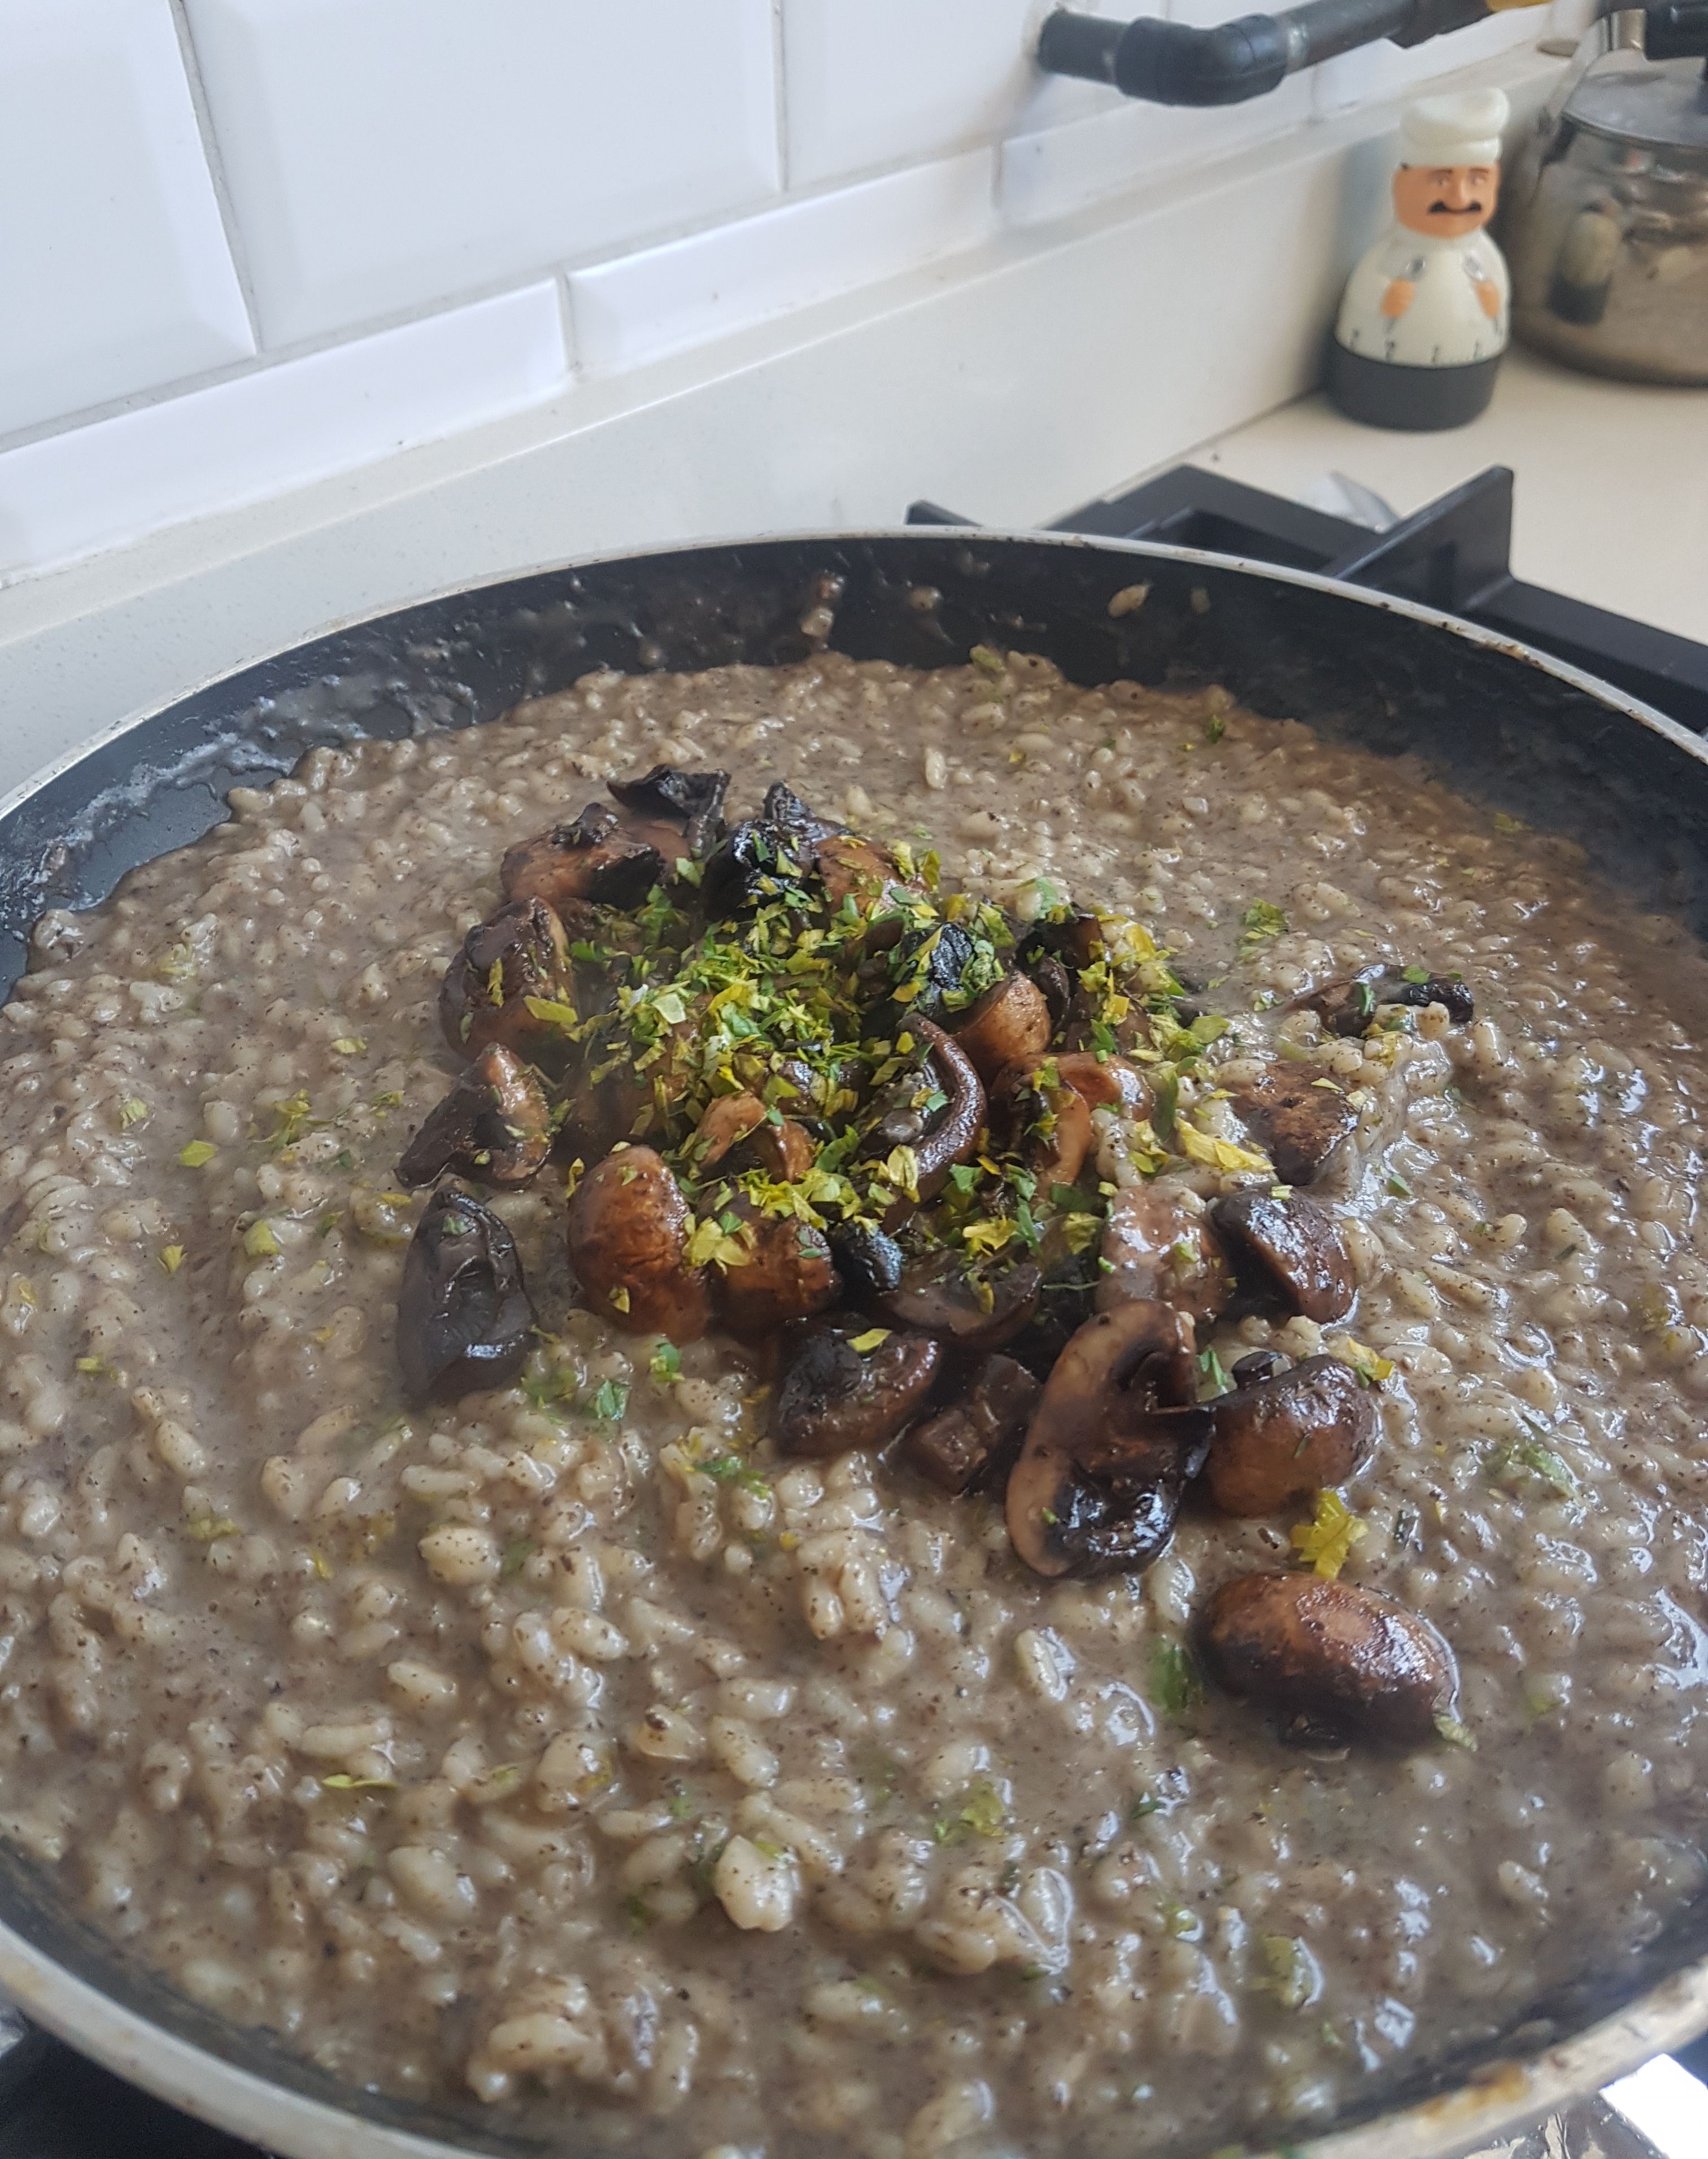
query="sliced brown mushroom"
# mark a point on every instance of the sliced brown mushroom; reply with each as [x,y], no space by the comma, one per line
[1046,1123]
[1042,1109]
[1158,1243]
[782,1149]
[625,1098]
[495,1127]
[1288,1254]
[1274,1441]
[1115,1441]
[1054,985]
[1331,1659]
[1010,1024]
[666,798]
[601,856]
[464,1318]
[726,1124]
[1298,1122]
[739,1133]
[974,1442]
[938,1296]
[519,953]
[834,1397]
[1348,1005]
[628,1227]
[788,1275]
[938,1138]
[848,867]
[1070,934]
[1106,1082]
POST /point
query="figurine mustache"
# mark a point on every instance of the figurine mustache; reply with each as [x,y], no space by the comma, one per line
[1473,208]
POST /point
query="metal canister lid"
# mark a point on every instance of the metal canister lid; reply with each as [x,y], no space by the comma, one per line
[1655,106]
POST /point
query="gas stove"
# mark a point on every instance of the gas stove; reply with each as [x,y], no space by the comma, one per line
[1453,554]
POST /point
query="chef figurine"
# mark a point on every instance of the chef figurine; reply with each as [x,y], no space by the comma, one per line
[1424,321]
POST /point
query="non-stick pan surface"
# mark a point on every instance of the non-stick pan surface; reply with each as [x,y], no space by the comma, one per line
[1510,729]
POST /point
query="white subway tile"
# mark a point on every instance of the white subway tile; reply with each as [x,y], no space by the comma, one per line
[871,82]
[643,306]
[1053,174]
[278,427]
[114,277]
[385,154]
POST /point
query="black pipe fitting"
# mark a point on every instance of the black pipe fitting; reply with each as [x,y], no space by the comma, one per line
[1173,63]
[1168,63]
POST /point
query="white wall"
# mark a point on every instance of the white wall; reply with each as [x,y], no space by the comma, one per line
[246,244]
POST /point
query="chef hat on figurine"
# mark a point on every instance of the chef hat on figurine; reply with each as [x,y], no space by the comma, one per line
[1454,130]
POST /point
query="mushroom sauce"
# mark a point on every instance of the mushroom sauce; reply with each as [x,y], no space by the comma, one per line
[1101,1553]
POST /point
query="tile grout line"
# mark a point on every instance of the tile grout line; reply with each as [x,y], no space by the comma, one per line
[566,316]
[563,271]
[780,92]
[267,363]
[235,244]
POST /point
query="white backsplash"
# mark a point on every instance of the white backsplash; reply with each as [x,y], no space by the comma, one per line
[268,240]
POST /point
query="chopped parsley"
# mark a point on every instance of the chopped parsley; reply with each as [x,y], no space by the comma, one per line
[1176,1687]
[1325,1543]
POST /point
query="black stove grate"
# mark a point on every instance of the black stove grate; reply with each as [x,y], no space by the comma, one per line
[1454,554]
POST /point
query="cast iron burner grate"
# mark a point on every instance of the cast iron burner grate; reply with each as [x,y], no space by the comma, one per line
[1453,554]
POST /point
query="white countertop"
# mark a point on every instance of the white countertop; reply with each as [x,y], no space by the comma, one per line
[1611,501]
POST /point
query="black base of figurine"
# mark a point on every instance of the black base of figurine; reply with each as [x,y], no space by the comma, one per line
[1418,400]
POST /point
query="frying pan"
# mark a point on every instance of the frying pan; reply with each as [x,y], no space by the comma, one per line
[1510,728]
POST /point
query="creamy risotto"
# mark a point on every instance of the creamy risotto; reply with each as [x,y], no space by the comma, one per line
[989,1446]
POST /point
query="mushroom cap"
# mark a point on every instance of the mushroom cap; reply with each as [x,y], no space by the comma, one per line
[1115,1439]
[1049,1125]
[1054,984]
[725,1123]
[1299,1123]
[975,1440]
[950,1134]
[938,1296]
[833,1398]
[667,795]
[1331,1657]
[1287,1252]
[740,1133]
[1010,1024]
[464,1318]
[613,858]
[788,1273]
[1105,1083]
[844,865]
[520,952]
[1159,1243]
[1277,1439]
[628,1228]
[494,1127]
